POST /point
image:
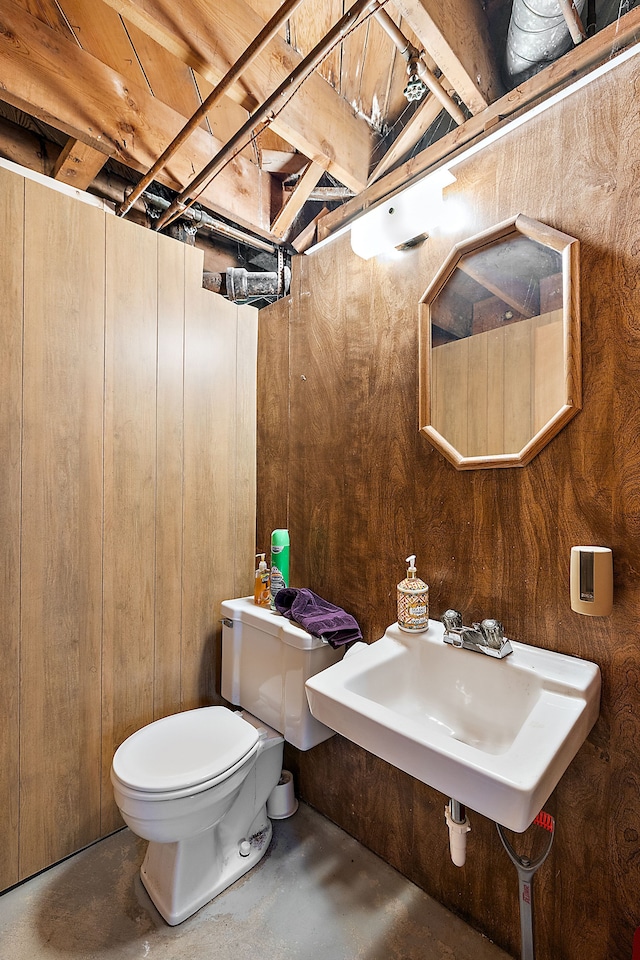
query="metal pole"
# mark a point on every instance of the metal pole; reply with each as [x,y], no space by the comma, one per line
[428,78]
[234,73]
[265,113]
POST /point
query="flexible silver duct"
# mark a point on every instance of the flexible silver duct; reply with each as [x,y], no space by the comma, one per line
[538,34]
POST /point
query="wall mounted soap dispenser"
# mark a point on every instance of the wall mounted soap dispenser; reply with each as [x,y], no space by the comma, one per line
[592,581]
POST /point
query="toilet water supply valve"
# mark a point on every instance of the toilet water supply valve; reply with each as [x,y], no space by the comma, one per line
[458,823]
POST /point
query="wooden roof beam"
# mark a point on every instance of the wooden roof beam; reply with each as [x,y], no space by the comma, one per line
[231,76]
[512,291]
[78,164]
[208,36]
[456,36]
[573,65]
[296,200]
[53,79]
[412,133]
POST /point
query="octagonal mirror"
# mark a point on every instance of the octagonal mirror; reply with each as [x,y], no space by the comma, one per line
[500,369]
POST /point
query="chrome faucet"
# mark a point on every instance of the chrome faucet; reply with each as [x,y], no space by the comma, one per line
[486,637]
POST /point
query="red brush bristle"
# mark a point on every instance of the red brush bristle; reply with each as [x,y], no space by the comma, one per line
[545,820]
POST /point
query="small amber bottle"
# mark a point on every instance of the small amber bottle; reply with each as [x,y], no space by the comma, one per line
[413,601]
[262,585]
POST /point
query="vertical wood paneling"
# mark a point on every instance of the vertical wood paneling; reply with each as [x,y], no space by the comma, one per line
[273,418]
[11,284]
[496,388]
[129,490]
[484,391]
[94,489]
[209,480]
[170,462]
[548,369]
[516,402]
[61,527]
[245,459]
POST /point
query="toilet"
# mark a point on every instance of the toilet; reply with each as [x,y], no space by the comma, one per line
[197,784]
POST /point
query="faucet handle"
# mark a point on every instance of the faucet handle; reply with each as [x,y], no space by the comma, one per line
[493,632]
[452,620]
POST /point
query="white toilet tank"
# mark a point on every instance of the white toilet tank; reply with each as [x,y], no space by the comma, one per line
[266,660]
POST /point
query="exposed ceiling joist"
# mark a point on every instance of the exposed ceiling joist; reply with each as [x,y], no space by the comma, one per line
[211,36]
[296,200]
[577,62]
[78,164]
[119,78]
[456,35]
[232,76]
[53,79]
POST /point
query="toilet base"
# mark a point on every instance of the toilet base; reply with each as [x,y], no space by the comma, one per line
[182,877]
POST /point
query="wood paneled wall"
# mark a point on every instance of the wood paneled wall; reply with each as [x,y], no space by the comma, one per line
[127,503]
[360,490]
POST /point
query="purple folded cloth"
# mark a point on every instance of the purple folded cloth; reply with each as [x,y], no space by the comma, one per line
[318,617]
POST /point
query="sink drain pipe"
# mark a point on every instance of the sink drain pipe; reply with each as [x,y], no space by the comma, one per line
[457,821]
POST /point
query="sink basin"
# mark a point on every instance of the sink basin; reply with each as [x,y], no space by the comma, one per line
[496,735]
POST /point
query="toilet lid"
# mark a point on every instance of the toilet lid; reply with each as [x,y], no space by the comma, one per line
[184,749]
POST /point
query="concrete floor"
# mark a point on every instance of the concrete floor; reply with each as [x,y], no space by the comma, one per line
[316,895]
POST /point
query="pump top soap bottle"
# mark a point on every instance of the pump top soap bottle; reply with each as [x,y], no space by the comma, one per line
[413,601]
[261,589]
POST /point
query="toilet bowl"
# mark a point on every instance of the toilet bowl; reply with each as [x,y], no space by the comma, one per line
[196,784]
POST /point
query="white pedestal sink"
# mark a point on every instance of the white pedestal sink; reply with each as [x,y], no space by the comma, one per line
[496,735]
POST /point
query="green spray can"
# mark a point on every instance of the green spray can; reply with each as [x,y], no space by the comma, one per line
[279,563]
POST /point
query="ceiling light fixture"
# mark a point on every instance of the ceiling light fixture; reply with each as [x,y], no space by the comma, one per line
[402,219]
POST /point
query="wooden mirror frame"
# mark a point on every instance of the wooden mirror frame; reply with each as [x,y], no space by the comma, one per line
[569,250]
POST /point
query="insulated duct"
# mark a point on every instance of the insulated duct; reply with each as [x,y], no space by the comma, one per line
[241,286]
[538,34]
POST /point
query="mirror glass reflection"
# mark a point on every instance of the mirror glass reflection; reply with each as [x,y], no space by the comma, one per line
[500,334]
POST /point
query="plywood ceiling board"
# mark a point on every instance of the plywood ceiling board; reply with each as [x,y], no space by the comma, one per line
[47,11]
[309,25]
[226,117]
[99,31]
[266,9]
[169,78]
[376,69]
[354,48]
[317,121]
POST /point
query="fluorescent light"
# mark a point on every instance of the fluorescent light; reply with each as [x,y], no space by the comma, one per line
[402,218]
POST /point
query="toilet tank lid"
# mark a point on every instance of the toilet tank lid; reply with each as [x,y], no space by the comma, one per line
[184,750]
[271,622]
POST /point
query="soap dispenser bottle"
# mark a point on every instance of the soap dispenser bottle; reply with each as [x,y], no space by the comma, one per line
[261,590]
[413,601]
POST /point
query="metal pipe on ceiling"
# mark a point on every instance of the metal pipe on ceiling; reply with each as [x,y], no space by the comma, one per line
[112,188]
[254,49]
[409,52]
[264,114]
[202,219]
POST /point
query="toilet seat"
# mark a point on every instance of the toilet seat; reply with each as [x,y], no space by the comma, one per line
[184,753]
